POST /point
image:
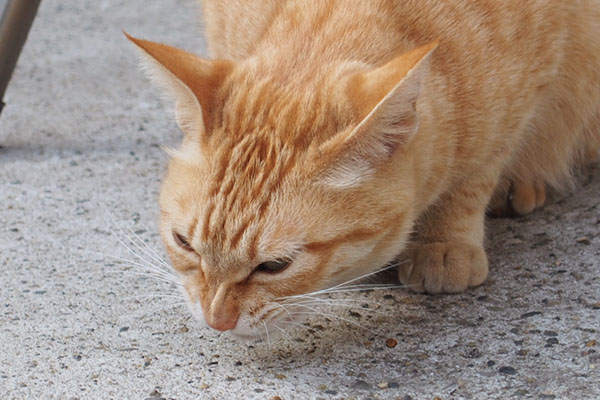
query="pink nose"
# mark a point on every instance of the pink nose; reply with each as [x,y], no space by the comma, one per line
[222,322]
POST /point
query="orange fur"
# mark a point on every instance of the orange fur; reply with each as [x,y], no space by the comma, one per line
[337,131]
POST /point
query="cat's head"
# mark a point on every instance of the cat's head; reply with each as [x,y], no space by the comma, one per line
[284,185]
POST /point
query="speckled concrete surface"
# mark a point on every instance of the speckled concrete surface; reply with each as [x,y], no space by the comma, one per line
[80,140]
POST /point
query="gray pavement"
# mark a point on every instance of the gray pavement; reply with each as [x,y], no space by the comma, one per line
[80,144]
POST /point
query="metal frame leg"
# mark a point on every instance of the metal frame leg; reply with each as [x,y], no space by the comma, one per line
[16,20]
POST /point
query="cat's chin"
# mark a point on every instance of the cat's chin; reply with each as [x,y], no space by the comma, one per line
[246,331]
[245,337]
[251,331]
[241,332]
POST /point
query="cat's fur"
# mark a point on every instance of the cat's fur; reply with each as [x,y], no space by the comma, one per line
[333,133]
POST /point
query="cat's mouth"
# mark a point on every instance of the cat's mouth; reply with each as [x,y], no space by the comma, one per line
[261,330]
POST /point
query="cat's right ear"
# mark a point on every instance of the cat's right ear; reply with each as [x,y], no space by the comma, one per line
[192,81]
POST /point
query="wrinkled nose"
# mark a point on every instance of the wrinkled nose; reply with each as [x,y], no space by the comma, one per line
[222,322]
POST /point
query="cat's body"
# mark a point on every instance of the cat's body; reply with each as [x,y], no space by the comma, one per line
[338,129]
[499,67]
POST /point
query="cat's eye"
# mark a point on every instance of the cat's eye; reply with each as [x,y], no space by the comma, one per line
[273,266]
[182,241]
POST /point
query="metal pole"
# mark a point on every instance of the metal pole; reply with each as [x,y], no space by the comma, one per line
[16,20]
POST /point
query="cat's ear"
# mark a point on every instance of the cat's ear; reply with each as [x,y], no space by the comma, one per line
[384,100]
[192,81]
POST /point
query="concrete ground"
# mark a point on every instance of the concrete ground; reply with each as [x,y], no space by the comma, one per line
[80,144]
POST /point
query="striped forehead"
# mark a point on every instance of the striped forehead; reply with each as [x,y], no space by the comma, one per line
[264,131]
[242,191]
[260,102]
[249,167]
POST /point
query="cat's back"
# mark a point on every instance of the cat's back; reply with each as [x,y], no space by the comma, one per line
[236,28]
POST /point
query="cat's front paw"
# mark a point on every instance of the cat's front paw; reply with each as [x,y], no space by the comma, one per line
[449,267]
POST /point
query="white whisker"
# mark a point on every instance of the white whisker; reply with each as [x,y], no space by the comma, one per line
[153,255]
[257,331]
[144,274]
[344,300]
[152,296]
[363,289]
[286,335]
[353,288]
[333,289]
[149,267]
[282,307]
[267,332]
[137,255]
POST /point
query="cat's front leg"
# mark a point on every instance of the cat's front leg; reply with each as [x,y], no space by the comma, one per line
[447,255]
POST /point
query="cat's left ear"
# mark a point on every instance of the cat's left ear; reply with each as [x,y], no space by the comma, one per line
[384,100]
[192,81]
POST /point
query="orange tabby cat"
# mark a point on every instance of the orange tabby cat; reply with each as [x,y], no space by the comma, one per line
[327,134]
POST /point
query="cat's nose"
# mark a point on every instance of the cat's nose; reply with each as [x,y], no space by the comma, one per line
[222,322]
[222,314]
